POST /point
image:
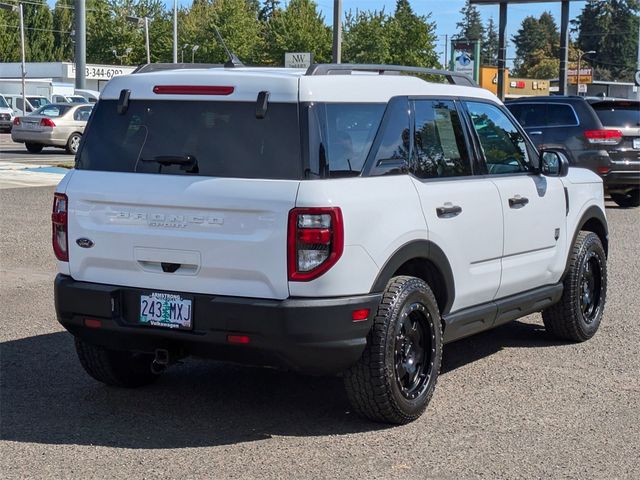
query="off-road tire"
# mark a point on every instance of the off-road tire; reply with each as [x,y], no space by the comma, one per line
[626,200]
[566,319]
[115,367]
[34,147]
[73,143]
[372,385]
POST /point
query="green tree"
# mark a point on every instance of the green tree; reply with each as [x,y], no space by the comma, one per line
[610,27]
[470,27]
[298,28]
[490,45]
[366,38]
[412,37]
[237,22]
[536,40]
[38,35]
[9,36]
[269,7]
[63,25]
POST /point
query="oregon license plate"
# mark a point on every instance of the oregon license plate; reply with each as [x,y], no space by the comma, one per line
[636,143]
[166,310]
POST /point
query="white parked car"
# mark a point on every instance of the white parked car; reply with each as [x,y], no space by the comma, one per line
[6,115]
[327,223]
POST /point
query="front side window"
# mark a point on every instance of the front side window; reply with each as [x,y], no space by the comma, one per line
[439,144]
[529,114]
[3,103]
[503,146]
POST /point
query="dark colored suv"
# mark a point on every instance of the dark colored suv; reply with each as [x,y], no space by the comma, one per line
[601,134]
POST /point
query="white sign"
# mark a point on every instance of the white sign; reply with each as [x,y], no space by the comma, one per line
[463,63]
[298,60]
[100,72]
[582,88]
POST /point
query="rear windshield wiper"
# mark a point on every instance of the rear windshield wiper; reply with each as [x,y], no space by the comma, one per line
[188,163]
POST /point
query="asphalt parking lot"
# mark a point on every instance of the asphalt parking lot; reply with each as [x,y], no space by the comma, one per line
[510,403]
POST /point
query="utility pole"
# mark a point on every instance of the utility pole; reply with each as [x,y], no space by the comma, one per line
[638,63]
[502,50]
[146,38]
[564,48]
[446,63]
[337,31]
[24,67]
[81,43]
[175,31]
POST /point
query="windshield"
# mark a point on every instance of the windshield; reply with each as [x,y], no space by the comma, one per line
[77,99]
[214,138]
[618,114]
[340,137]
[3,103]
[37,102]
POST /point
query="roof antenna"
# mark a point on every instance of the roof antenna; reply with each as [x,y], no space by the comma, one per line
[233,61]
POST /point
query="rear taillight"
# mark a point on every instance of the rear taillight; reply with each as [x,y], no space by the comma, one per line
[59,227]
[603,137]
[16,121]
[315,241]
[47,122]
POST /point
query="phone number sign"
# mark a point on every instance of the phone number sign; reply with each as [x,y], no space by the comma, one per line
[100,72]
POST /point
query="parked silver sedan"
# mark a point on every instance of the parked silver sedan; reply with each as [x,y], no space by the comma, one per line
[55,125]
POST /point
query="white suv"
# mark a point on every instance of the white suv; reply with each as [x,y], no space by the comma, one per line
[346,219]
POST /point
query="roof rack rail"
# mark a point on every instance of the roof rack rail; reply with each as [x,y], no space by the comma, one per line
[156,67]
[453,78]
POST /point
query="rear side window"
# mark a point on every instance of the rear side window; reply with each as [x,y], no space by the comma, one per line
[618,114]
[82,114]
[394,147]
[218,139]
[561,115]
[439,144]
[38,102]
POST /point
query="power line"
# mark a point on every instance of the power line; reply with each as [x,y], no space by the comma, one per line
[6,25]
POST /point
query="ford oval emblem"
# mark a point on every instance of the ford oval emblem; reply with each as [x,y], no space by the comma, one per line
[84,243]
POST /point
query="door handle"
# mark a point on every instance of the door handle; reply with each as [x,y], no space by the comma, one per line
[537,132]
[448,210]
[518,201]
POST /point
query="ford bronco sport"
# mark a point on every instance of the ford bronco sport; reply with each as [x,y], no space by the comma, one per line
[345,219]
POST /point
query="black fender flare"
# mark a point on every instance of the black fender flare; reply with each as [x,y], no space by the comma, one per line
[421,249]
[592,213]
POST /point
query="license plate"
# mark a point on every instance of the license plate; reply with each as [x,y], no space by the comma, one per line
[30,126]
[636,143]
[166,310]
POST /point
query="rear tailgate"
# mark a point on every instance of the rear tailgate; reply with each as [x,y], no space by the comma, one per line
[188,191]
[225,236]
[624,116]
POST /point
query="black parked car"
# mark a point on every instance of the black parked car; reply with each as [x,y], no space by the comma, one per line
[601,134]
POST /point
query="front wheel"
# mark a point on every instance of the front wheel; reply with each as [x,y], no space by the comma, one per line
[626,200]
[577,316]
[116,367]
[34,147]
[395,378]
[73,143]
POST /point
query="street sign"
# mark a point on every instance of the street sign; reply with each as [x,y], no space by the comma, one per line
[582,88]
[637,78]
[465,57]
[298,60]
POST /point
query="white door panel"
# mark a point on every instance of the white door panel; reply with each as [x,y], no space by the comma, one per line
[534,231]
[471,240]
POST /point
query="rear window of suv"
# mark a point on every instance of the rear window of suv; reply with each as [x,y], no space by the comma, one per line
[218,139]
[618,114]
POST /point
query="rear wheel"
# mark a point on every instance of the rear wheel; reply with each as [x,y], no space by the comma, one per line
[395,378]
[73,143]
[629,199]
[577,315]
[115,367]
[34,147]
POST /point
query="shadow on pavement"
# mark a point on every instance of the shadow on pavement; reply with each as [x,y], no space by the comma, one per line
[45,397]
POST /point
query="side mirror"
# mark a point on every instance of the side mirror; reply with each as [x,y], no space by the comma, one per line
[553,163]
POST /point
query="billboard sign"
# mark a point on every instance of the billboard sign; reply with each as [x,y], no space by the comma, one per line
[465,57]
[298,60]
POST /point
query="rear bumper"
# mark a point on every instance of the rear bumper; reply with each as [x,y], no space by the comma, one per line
[309,335]
[44,138]
[619,179]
